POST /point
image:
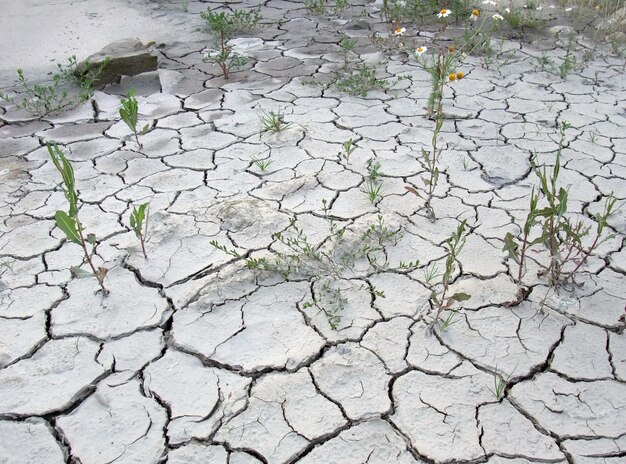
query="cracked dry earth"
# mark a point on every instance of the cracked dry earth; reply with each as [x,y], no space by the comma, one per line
[194,359]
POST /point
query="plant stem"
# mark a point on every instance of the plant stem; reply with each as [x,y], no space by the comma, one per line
[79,228]
[143,247]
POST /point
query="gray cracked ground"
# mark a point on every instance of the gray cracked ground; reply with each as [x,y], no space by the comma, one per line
[194,359]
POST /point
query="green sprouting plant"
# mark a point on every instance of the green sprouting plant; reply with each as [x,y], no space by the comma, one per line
[431,273]
[43,99]
[441,302]
[329,264]
[273,121]
[347,45]
[185,5]
[441,68]
[262,163]
[237,22]
[544,62]
[372,184]
[449,321]
[569,64]
[361,81]
[322,6]
[499,384]
[372,190]
[464,162]
[348,147]
[129,112]
[68,222]
[562,237]
[139,223]
[517,252]
[316,6]
[593,135]
[223,26]
[519,19]
[7,264]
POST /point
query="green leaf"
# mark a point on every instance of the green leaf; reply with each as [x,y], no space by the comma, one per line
[68,225]
[511,247]
[460,297]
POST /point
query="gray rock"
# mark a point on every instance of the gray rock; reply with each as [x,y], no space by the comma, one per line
[127,57]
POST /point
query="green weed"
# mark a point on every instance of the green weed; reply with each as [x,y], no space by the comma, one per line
[262,163]
[330,264]
[69,222]
[441,301]
[43,99]
[129,112]
[224,26]
[273,121]
[139,223]
[562,237]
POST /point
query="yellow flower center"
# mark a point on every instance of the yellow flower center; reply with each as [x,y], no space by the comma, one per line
[475,13]
[444,11]
[452,77]
[460,75]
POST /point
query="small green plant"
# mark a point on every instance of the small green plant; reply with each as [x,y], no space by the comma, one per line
[361,81]
[449,321]
[129,112]
[347,45]
[262,163]
[544,63]
[223,26]
[373,185]
[593,135]
[348,147]
[273,121]
[519,19]
[569,64]
[442,302]
[322,6]
[43,99]
[329,265]
[68,222]
[185,5]
[562,237]
[139,223]
[7,264]
[499,384]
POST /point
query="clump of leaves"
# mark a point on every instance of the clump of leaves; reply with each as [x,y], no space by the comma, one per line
[273,121]
[441,301]
[559,234]
[373,185]
[499,383]
[224,26]
[43,99]
[361,81]
[262,163]
[139,223]
[348,147]
[322,6]
[330,264]
[129,112]
[68,222]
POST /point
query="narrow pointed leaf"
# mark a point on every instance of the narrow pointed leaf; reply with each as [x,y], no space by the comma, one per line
[68,225]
